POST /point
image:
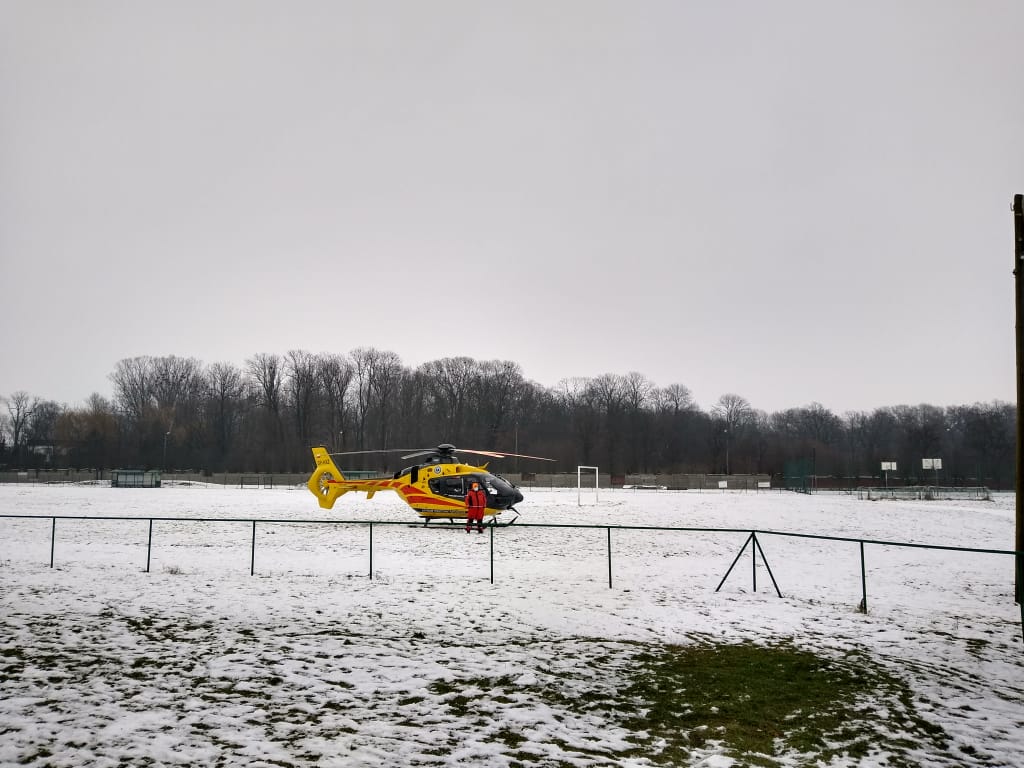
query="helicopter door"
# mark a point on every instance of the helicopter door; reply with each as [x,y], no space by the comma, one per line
[448,486]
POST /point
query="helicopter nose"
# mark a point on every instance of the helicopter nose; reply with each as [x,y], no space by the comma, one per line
[516,497]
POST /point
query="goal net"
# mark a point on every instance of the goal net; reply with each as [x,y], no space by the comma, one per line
[586,479]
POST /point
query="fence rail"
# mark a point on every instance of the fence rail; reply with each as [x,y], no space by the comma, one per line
[925,492]
[752,540]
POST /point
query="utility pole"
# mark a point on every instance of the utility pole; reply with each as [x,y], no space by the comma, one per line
[1018,258]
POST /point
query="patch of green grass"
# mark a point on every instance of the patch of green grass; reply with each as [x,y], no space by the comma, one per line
[459,705]
[763,701]
[444,687]
[762,705]
[41,753]
[508,737]
[977,646]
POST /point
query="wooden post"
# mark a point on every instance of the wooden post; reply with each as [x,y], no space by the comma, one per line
[1018,256]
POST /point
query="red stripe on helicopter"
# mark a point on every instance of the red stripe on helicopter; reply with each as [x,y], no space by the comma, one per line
[410,492]
[421,498]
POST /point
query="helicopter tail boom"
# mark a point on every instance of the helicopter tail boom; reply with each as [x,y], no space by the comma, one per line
[324,482]
[327,482]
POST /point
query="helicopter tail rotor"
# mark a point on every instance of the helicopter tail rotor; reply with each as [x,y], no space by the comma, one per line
[323,483]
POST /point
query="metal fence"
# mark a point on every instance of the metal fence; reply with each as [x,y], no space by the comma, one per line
[925,492]
[753,541]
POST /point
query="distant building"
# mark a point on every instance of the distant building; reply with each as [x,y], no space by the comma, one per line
[135,478]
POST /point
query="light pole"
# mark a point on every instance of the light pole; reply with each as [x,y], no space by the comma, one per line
[950,477]
[166,435]
[726,432]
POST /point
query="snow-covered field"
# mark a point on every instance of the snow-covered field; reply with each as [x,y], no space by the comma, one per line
[310,662]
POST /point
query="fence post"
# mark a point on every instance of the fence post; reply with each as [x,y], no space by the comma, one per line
[767,567]
[53,538]
[609,557]
[149,543]
[252,559]
[753,558]
[1019,557]
[371,551]
[734,561]
[863,582]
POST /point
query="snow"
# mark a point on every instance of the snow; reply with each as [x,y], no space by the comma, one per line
[311,662]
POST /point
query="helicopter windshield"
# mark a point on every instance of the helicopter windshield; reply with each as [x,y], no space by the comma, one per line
[498,485]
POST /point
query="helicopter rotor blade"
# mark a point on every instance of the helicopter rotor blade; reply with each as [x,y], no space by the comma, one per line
[419,453]
[382,450]
[525,456]
[503,455]
[439,451]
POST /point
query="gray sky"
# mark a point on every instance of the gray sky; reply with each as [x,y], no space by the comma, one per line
[792,201]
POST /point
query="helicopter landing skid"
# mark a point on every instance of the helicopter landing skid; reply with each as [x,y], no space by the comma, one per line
[452,522]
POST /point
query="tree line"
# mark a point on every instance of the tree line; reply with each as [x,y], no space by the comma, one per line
[178,413]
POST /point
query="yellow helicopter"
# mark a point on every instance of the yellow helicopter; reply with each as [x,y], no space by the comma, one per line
[435,487]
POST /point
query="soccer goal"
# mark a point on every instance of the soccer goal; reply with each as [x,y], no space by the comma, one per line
[580,472]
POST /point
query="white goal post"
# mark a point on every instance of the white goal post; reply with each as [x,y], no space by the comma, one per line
[579,483]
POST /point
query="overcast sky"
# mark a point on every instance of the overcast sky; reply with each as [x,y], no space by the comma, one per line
[792,201]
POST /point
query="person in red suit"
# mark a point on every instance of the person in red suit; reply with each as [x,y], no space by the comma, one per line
[476,503]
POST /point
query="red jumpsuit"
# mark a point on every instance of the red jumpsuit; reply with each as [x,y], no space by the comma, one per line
[476,503]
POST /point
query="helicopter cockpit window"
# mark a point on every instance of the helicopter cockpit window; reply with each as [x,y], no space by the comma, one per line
[497,484]
[448,486]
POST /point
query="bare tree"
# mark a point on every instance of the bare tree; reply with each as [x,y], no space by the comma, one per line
[819,424]
[675,407]
[303,387]
[178,389]
[675,399]
[225,387]
[377,376]
[989,430]
[133,387]
[733,413]
[387,380]
[922,428]
[499,386]
[267,371]
[41,429]
[450,382]
[335,373]
[579,399]
[410,406]
[20,406]
[90,435]
[254,418]
[363,360]
[4,431]
[733,409]
[638,397]
[610,394]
